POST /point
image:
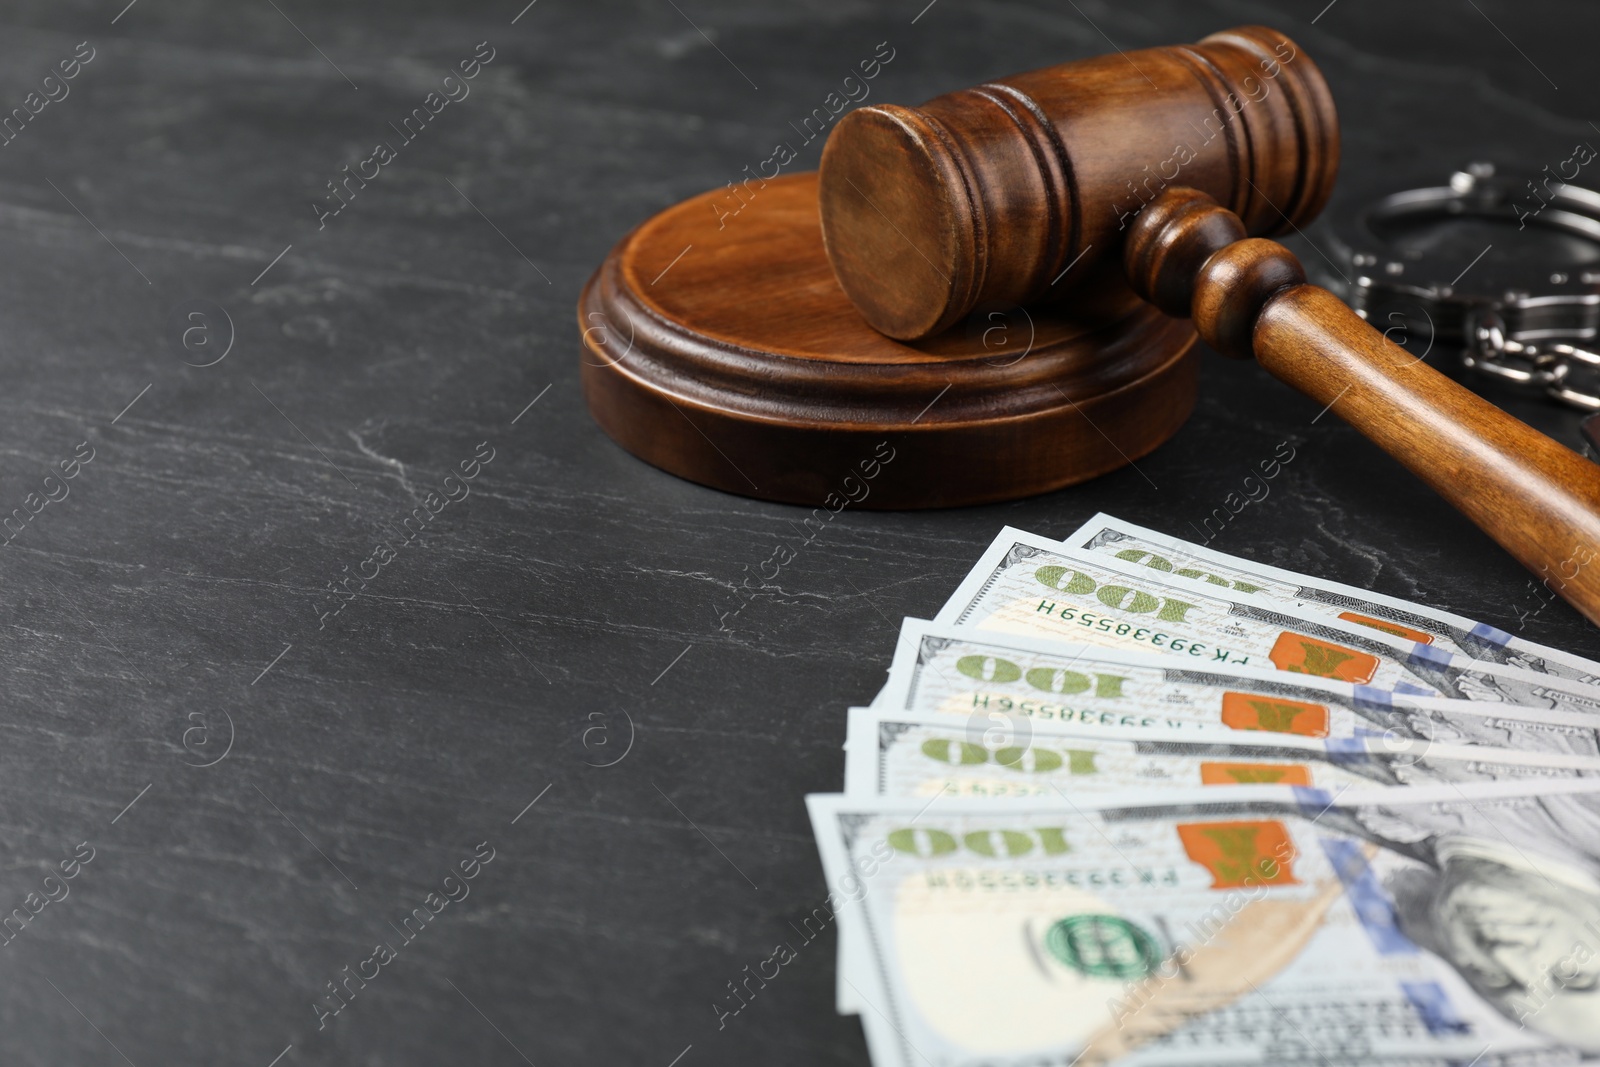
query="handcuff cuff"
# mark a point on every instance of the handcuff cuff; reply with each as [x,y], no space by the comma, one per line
[1531,327]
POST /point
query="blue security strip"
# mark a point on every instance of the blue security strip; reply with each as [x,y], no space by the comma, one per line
[1367,898]
[1344,750]
[1313,802]
[1370,696]
[1433,1006]
[1415,690]
[1429,656]
[1491,635]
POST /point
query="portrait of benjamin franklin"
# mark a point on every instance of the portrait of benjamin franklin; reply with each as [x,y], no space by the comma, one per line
[1509,895]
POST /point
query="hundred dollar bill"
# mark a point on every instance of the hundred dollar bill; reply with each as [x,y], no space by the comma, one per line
[1033,585]
[999,691]
[993,679]
[900,754]
[1428,925]
[1298,592]
[990,684]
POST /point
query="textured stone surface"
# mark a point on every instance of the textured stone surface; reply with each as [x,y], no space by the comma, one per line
[575,588]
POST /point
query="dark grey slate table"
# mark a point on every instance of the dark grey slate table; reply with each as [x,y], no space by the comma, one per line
[269,788]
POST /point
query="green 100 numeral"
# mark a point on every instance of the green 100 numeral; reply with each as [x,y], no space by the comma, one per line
[928,842]
[1044,679]
[1027,760]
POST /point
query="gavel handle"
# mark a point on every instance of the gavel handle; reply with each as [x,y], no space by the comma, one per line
[1538,499]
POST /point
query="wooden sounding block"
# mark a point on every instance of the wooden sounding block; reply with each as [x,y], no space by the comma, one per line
[988,195]
[725,352]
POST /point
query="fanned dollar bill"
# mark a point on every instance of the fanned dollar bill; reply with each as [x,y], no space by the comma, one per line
[900,754]
[1298,592]
[1430,925]
[994,678]
[1029,584]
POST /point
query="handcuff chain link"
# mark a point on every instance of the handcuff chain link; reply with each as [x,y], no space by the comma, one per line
[1546,368]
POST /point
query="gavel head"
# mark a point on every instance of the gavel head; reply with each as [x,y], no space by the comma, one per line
[1009,192]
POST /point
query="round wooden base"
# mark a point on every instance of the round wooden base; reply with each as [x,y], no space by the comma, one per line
[718,346]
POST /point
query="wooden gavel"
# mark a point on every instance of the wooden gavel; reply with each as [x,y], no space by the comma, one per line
[1165,162]
[1018,188]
